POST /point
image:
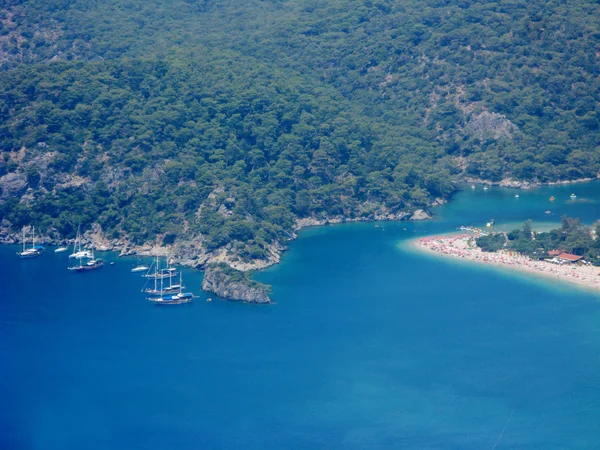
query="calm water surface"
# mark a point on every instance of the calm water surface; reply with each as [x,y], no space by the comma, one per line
[368,346]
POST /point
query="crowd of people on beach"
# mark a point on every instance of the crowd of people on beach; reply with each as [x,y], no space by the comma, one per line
[463,246]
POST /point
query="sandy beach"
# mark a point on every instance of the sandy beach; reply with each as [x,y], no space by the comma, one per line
[463,246]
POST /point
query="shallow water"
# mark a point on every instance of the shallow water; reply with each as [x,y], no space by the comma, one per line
[368,346]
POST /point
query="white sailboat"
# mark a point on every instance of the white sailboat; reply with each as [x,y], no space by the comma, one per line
[77,251]
[174,298]
[34,250]
[159,273]
[91,264]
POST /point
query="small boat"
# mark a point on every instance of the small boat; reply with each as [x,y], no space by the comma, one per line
[516,195]
[81,254]
[472,186]
[34,251]
[485,188]
[552,198]
[547,211]
[140,267]
[573,196]
[61,249]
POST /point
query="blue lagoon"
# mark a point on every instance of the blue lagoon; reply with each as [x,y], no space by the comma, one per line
[368,346]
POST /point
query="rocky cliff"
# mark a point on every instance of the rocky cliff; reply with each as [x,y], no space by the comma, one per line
[233,284]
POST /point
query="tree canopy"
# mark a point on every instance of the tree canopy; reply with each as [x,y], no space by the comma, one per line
[232,119]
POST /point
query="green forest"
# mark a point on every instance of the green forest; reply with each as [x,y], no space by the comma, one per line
[230,120]
[571,237]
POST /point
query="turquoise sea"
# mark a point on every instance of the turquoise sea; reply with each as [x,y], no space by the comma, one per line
[368,346]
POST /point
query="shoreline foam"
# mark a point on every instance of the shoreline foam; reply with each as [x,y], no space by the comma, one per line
[457,246]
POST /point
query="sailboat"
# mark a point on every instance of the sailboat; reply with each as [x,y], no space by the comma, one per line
[77,251]
[34,250]
[162,289]
[161,274]
[172,299]
[91,264]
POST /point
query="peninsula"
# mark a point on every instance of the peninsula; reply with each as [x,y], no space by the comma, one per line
[546,254]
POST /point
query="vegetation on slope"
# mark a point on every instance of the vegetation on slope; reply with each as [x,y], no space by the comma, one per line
[230,151]
[229,120]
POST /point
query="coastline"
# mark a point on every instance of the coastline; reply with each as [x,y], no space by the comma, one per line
[456,246]
[190,251]
[516,184]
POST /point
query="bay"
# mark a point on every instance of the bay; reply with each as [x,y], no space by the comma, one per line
[369,345]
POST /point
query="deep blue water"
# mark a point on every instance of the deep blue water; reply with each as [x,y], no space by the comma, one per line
[368,346]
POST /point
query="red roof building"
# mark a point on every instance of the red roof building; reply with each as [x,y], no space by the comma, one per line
[569,257]
[554,252]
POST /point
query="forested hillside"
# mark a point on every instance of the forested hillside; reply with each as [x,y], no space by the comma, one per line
[226,121]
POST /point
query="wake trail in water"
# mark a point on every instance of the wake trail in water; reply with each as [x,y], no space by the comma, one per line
[505,427]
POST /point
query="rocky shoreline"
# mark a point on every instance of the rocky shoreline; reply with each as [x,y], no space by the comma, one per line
[222,268]
[516,184]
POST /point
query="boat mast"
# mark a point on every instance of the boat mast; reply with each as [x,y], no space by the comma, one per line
[24,239]
[33,238]
[76,240]
[155,273]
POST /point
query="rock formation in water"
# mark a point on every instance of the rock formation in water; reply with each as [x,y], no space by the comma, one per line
[233,284]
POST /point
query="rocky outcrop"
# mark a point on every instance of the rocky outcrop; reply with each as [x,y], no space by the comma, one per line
[506,182]
[518,184]
[231,284]
[12,184]
[419,214]
[314,221]
[97,237]
[490,124]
